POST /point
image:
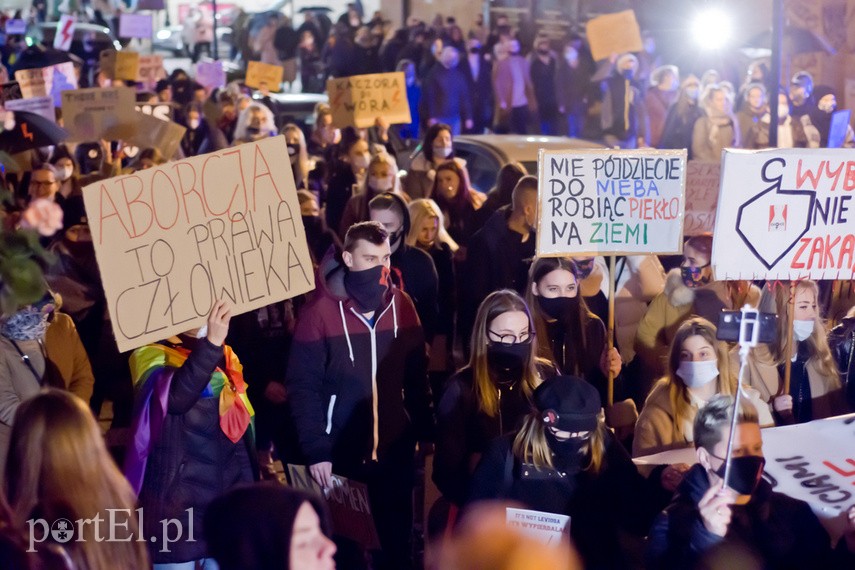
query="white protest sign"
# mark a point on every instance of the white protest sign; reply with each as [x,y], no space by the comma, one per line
[171,240]
[51,81]
[546,527]
[39,105]
[595,202]
[135,26]
[785,214]
[64,33]
[210,74]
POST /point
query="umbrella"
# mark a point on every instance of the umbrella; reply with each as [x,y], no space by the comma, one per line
[31,131]
[36,57]
[797,40]
[9,163]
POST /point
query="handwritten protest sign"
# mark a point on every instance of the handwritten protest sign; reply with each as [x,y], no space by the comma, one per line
[150,70]
[613,34]
[348,504]
[153,132]
[171,240]
[786,214]
[52,80]
[596,202]
[99,113]
[547,527]
[702,182]
[64,33]
[39,105]
[358,100]
[210,74]
[135,26]
[264,76]
[122,65]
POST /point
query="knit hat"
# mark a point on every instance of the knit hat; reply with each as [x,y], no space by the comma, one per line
[250,526]
[821,91]
[568,403]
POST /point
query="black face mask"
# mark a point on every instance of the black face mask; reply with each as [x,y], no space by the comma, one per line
[367,287]
[508,360]
[253,130]
[745,473]
[312,223]
[585,268]
[568,453]
[395,236]
[559,307]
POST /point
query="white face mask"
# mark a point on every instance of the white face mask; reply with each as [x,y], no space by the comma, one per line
[380,184]
[441,152]
[802,329]
[194,124]
[697,373]
[361,161]
[65,173]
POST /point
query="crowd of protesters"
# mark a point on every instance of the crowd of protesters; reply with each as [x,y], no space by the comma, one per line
[436,344]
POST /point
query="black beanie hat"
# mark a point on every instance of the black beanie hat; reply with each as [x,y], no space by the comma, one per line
[250,526]
[568,403]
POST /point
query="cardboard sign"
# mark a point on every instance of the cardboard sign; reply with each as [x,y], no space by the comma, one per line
[838,129]
[135,26]
[16,27]
[358,100]
[173,239]
[785,214]
[549,528]
[150,71]
[613,34]
[153,132]
[51,81]
[122,65]
[64,33]
[702,182]
[162,111]
[263,75]
[210,74]
[39,105]
[99,113]
[350,509]
[595,202]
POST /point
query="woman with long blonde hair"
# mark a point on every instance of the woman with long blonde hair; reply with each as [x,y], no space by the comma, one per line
[298,154]
[491,395]
[59,468]
[815,388]
[699,367]
[564,460]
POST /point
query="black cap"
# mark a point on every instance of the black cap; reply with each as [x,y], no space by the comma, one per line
[568,403]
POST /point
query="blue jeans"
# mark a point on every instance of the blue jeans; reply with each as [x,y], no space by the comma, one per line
[204,564]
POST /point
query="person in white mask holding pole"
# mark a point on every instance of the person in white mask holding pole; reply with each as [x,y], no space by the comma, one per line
[815,390]
[699,367]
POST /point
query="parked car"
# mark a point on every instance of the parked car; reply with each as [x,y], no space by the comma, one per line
[486,154]
[169,39]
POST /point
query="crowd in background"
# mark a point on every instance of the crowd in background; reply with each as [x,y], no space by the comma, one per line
[434,337]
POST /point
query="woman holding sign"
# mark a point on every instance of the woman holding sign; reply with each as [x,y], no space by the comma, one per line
[570,335]
[814,389]
[566,461]
[698,368]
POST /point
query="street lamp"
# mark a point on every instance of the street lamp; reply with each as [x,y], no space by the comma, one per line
[712,28]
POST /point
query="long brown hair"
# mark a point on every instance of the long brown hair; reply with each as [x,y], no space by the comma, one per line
[678,392]
[575,326]
[530,445]
[486,392]
[59,467]
[817,343]
[460,200]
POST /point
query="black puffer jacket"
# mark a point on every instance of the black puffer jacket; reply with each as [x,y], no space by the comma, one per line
[193,461]
[842,342]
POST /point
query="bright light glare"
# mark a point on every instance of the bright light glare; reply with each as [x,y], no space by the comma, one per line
[711,28]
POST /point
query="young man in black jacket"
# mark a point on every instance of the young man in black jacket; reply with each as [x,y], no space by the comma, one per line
[748,516]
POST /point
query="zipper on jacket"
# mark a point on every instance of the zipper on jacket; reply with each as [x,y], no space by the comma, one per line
[329,413]
[501,426]
[372,330]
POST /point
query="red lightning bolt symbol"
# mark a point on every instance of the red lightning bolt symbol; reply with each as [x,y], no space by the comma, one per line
[395,96]
[27,134]
[65,31]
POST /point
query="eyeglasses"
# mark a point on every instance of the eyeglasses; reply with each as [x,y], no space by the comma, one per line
[509,339]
